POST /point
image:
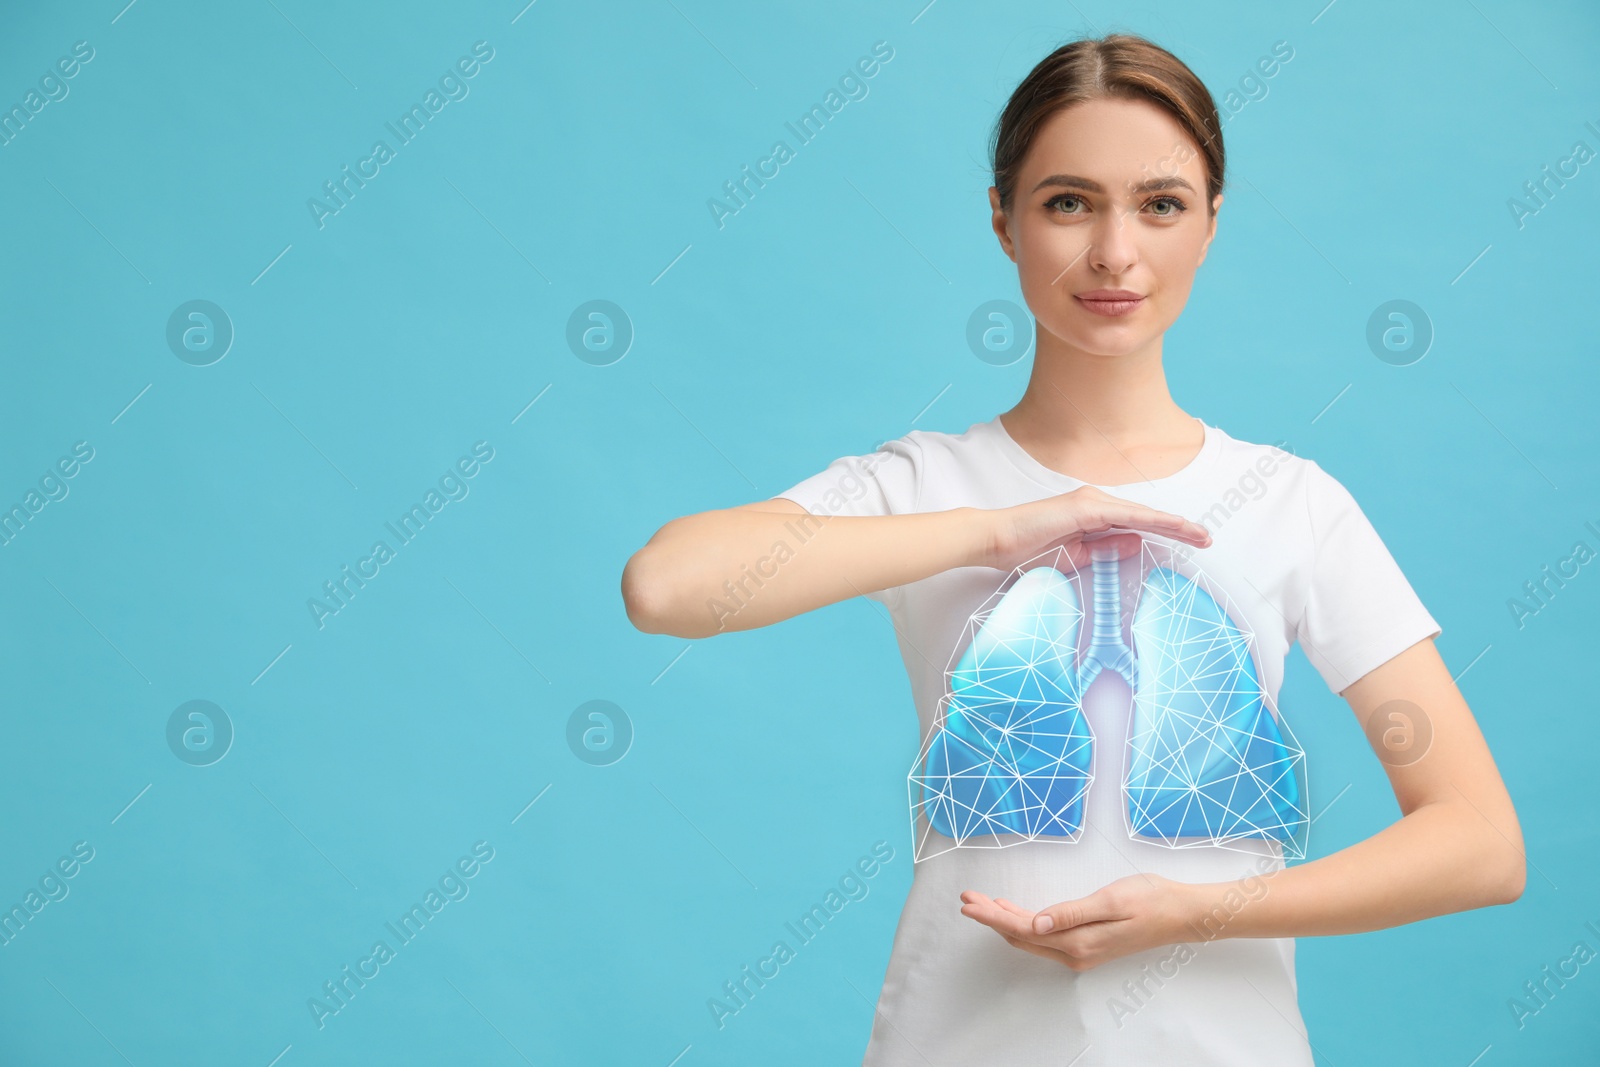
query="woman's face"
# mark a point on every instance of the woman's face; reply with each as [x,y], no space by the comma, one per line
[1110,196]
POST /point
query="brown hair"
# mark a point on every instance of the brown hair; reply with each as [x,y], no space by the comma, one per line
[1120,66]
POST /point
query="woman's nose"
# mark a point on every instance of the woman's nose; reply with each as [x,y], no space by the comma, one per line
[1112,248]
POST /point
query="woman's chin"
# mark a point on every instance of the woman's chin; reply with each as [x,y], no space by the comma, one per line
[1110,342]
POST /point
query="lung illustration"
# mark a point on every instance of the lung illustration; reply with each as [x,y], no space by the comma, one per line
[1208,760]
[1011,751]
[1207,757]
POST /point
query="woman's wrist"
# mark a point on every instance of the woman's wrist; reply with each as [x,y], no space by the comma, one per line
[1213,910]
[977,535]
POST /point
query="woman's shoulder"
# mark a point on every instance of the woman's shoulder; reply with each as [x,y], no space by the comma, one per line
[1277,460]
[1302,486]
[945,451]
[925,440]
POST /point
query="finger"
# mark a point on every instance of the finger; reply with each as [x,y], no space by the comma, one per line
[992,915]
[1013,921]
[1116,512]
[1123,544]
[1060,947]
[1014,909]
[972,896]
[1161,522]
[1081,551]
[977,906]
[1073,913]
[1041,951]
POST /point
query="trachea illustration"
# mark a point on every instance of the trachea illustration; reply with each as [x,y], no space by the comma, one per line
[1208,761]
[1107,650]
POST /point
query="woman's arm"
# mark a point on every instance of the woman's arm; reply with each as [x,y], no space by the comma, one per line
[752,565]
[694,577]
[1456,846]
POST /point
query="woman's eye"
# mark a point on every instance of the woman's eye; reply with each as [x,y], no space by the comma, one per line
[1066,203]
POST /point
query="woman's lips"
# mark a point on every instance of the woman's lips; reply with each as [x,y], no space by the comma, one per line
[1110,306]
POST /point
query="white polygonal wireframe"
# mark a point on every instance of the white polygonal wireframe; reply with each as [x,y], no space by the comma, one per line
[1021,732]
[1022,747]
[1240,804]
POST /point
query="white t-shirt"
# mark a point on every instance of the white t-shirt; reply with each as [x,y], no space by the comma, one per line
[1300,562]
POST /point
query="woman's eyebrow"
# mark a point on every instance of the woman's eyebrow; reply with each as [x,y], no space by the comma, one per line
[1149,185]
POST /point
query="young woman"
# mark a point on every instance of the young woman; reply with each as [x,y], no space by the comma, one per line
[1108,947]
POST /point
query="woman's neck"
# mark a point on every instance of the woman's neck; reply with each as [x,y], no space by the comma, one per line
[1106,420]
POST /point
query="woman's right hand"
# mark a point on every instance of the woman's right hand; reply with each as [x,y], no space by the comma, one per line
[1019,533]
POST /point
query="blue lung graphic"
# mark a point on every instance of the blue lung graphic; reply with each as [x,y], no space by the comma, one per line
[1206,757]
[1013,752]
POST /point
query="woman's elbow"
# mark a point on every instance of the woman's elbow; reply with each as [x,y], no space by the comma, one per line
[653,600]
[1502,862]
[641,595]
[1513,879]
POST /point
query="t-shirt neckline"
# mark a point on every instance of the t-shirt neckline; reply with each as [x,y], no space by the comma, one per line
[1051,478]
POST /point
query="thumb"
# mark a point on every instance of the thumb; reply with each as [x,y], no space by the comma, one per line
[1064,916]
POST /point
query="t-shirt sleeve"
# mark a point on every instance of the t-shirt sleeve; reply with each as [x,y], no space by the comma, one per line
[887,481]
[1360,611]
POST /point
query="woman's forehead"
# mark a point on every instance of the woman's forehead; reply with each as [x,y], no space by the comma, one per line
[1118,144]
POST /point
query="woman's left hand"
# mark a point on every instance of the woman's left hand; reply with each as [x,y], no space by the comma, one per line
[1129,915]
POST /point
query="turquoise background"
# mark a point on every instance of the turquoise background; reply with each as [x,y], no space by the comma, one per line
[432,310]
